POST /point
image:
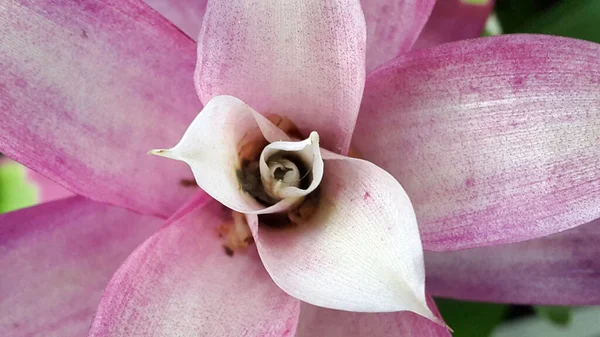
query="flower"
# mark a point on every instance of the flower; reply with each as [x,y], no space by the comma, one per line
[101,99]
[346,236]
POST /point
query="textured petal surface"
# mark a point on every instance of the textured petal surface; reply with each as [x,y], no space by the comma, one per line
[393,26]
[180,282]
[317,322]
[495,140]
[86,88]
[47,189]
[304,60]
[56,260]
[187,15]
[359,251]
[217,142]
[561,269]
[454,20]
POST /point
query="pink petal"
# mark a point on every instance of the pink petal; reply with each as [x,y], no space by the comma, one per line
[181,282]
[495,140]
[454,20]
[316,321]
[559,269]
[393,27]
[185,14]
[56,259]
[47,189]
[359,251]
[87,87]
[300,59]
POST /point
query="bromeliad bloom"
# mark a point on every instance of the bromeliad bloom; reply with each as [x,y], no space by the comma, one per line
[337,232]
[495,141]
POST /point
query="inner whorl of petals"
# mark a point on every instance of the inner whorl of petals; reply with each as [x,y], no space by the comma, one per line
[288,169]
[285,171]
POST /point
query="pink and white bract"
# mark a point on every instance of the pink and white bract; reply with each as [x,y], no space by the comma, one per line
[496,141]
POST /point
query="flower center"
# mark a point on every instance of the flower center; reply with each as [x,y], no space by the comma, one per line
[285,170]
[285,174]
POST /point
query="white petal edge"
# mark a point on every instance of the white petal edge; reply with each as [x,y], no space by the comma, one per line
[361,250]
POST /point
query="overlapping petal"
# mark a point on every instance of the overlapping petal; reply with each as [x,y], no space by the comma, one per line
[181,282]
[561,269]
[495,140]
[316,321]
[454,20]
[359,251]
[187,15]
[56,260]
[304,60]
[47,190]
[393,26]
[225,134]
[86,88]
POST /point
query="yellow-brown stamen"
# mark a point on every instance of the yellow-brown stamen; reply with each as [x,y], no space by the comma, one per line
[236,233]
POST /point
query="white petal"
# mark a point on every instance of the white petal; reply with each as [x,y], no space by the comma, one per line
[213,147]
[360,251]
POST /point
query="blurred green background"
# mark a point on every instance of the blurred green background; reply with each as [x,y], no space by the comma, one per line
[572,18]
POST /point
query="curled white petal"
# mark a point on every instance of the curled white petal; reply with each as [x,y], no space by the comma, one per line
[306,151]
[359,251]
[211,146]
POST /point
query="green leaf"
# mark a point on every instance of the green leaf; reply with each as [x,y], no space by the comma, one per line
[513,14]
[471,319]
[557,315]
[572,18]
[476,2]
[15,191]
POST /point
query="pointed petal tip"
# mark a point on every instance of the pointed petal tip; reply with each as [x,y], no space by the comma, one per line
[156,151]
[314,138]
[439,321]
[426,312]
[167,153]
